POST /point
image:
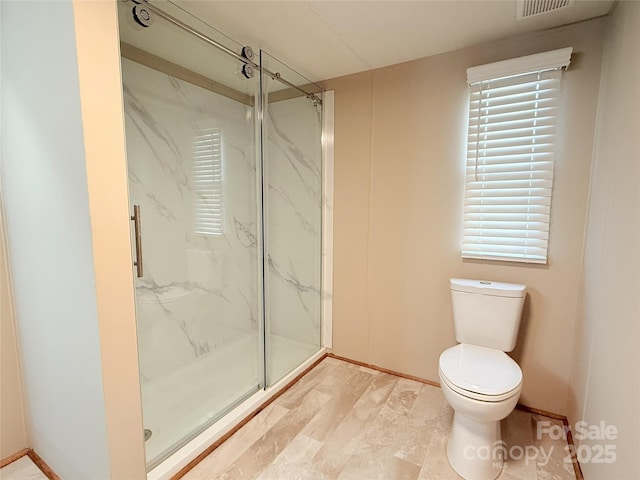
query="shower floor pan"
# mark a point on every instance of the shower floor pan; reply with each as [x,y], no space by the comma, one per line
[174,413]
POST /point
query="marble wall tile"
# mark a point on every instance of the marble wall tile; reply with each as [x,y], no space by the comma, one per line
[200,296]
[293,215]
[198,292]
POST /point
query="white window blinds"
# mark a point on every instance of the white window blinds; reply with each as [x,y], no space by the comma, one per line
[207,182]
[509,168]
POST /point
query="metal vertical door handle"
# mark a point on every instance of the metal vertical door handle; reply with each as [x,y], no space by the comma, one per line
[138,238]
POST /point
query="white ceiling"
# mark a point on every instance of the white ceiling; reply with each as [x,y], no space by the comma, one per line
[326,39]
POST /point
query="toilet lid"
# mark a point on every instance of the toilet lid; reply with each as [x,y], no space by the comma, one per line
[480,370]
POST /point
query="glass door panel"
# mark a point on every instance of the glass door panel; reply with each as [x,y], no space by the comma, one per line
[191,150]
[292,159]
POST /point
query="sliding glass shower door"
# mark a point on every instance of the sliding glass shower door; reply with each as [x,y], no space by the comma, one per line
[193,172]
[292,185]
[224,159]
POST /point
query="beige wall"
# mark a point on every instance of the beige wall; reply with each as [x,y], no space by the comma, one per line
[400,142]
[352,164]
[606,384]
[13,433]
[73,286]
[97,38]
[48,238]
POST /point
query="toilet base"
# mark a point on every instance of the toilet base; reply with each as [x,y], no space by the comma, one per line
[475,449]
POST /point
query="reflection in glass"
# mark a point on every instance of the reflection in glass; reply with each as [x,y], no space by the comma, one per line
[191,153]
[231,229]
[293,220]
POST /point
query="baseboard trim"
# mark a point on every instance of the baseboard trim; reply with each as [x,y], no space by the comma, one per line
[35,458]
[537,411]
[577,468]
[12,458]
[244,421]
[384,370]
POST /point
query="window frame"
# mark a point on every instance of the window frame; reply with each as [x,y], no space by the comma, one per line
[509,165]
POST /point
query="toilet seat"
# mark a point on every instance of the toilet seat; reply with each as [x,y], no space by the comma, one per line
[479,396]
[480,373]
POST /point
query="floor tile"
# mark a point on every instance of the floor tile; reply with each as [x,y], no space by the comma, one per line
[342,421]
[22,469]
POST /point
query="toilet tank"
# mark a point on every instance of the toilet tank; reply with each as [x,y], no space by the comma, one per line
[487,313]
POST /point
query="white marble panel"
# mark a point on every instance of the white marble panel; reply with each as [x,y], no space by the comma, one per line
[199,291]
[293,220]
[198,301]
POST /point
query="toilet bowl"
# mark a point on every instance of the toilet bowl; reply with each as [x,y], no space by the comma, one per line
[483,386]
[479,380]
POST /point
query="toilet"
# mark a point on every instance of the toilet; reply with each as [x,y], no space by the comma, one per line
[479,380]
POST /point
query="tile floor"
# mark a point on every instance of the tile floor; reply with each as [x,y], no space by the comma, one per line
[22,469]
[346,422]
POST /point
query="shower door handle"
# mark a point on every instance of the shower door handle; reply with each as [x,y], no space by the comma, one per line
[135,218]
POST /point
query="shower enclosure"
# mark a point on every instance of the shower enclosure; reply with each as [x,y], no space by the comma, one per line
[224,159]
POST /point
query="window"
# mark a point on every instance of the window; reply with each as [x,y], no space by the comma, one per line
[207,182]
[510,155]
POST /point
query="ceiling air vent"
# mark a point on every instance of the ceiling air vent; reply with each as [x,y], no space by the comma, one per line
[529,8]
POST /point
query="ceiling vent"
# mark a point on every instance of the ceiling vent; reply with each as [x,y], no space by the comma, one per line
[529,8]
